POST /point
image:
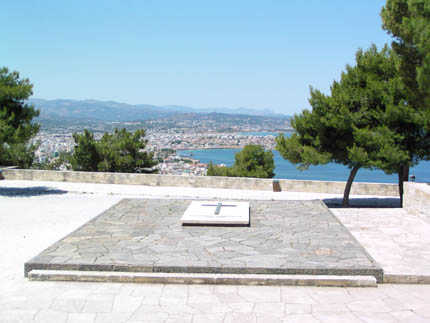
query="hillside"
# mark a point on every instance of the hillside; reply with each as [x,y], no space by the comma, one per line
[114,111]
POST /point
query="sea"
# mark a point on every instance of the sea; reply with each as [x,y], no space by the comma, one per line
[286,170]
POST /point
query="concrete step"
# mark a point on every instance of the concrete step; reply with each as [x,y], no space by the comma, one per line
[406,279]
[191,278]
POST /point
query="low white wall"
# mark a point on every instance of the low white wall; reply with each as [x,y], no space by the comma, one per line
[200,181]
[416,199]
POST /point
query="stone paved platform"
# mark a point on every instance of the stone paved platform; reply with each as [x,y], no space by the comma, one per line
[142,235]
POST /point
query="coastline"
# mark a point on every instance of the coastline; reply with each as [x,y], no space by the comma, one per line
[285,170]
[207,148]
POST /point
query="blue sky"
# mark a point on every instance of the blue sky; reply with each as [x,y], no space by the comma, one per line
[254,54]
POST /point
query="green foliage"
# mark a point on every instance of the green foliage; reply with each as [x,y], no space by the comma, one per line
[408,21]
[251,161]
[351,119]
[214,170]
[57,163]
[121,151]
[16,127]
[86,156]
[365,122]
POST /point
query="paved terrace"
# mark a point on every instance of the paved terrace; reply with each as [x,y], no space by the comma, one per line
[33,215]
[145,235]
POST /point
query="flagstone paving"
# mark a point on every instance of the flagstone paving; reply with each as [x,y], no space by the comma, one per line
[285,237]
[53,302]
[35,214]
[398,241]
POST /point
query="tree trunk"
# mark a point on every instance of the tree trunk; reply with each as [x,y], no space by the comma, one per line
[403,174]
[351,177]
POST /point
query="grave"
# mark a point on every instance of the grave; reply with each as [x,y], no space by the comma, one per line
[216,213]
[147,236]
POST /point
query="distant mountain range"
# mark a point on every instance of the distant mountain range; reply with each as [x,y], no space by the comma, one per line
[114,111]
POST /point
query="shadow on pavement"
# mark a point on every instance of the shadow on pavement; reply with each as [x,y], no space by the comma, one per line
[30,191]
[371,202]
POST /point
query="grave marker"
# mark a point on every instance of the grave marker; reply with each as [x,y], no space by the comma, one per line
[216,213]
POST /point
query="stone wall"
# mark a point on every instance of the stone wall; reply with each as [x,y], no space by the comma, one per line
[416,199]
[200,181]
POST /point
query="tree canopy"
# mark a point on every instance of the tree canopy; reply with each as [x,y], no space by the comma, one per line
[364,123]
[408,21]
[121,151]
[251,161]
[16,126]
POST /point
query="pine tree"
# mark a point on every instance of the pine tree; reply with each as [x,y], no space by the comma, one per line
[251,161]
[121,151]
[16,126]
[365,122]
[408,21]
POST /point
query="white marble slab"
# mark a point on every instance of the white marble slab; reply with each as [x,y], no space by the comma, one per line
[217,212]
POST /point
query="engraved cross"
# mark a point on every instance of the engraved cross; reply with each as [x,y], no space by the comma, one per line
[219,206]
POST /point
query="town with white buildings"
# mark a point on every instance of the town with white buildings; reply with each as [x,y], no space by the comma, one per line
[164,143]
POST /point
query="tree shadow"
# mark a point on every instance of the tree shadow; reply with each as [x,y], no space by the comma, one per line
[365,202]
[29,191]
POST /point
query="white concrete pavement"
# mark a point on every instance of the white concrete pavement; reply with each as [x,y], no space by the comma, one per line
[33,215]
[397,240]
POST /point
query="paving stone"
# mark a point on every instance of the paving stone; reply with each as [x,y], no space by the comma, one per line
[173,294]
[51,316]
[338,317]
[332,296]
[10,303]
[126,304]
[376,306]
[80,291]
[210,308]
[375,317]
[301,318]
[17,315]
[329,308]
[290,237]
[291,309]
[256,294]
[179,309]
[421,310]
[241,307]
[42,302]
[209,318]
[393,304]
[21,300]
[98,304]
[264,317]
[270,308]
[152,290]
[203,298]
[408,316]
[148,313]
[107,289]
[240,318]
[229,298]
[72,305]
[398,241]
[184,318]
[81,318]
[112,317]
